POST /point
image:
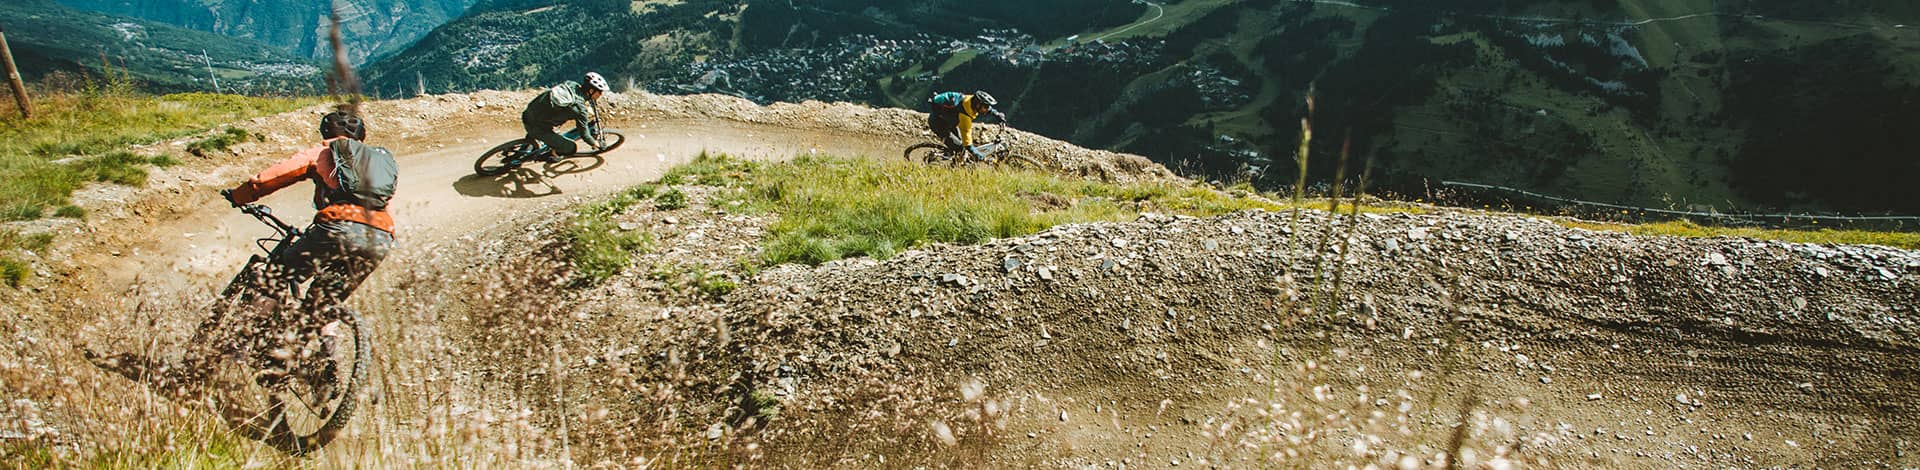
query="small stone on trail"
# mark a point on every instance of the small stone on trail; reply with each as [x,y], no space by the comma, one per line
[1010,264]
[1593,397]
[1046,274]
[629,226]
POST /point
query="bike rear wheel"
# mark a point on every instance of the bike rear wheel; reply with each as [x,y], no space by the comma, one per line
[612,141]
[503,158]
[304,402]
[925,152]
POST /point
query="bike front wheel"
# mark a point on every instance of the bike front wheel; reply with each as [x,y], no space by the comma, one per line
[502,158]
[610,140]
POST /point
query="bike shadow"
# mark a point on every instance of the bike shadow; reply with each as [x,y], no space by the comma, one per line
[525,182]
[153,372]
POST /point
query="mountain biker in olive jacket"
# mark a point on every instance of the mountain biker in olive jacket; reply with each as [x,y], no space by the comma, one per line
[570,101]
[347,240]
[950,116]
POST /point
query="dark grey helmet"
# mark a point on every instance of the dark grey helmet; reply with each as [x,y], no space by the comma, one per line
[342,123]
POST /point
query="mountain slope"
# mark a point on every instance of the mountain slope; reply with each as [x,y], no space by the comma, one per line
[298,27]
[47,37]
[1727,105]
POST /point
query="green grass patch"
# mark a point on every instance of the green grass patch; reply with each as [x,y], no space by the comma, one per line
[597,246]
[76,138]
[697,278]
[70,212]
[831,208]
[219,142]
[1683,228]
[673,199]
[13,271]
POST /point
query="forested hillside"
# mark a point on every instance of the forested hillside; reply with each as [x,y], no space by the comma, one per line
[1707,105]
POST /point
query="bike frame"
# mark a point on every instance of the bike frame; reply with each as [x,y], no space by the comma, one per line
[284,236]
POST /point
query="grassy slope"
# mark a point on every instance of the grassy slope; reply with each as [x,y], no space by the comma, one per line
[80,138]
[830,208]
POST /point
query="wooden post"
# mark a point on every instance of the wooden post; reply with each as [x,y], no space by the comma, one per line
[13,77]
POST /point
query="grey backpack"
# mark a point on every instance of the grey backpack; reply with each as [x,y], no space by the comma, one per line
[367,174]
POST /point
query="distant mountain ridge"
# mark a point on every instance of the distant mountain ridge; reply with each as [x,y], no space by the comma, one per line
[1700,104]
[47,37]
[298,27]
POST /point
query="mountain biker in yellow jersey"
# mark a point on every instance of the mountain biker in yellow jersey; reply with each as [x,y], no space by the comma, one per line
[951,115]
[352,231]
[569,101]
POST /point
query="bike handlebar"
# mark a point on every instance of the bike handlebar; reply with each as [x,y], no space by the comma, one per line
[264,214]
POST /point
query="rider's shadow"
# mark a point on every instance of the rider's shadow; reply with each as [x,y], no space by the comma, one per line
[525,182]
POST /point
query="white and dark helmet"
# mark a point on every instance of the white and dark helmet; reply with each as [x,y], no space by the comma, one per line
[597,82]
[981,97]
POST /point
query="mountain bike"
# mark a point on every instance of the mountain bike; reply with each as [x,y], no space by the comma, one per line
[510,155]
[998,151]
[283,375]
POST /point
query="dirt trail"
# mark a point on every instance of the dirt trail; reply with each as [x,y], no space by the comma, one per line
[441,200]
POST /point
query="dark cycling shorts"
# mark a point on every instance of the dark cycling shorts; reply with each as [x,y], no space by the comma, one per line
[337,255]
[946,128]
[561,145]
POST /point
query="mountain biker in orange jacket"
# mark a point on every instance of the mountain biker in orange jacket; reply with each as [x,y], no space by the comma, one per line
[570,101]
[346,241]
[951,116]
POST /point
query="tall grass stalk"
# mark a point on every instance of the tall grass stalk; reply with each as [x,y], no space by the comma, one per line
[1320,255]
[1353,225]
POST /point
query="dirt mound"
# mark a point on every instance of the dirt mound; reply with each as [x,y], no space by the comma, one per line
[1174,338]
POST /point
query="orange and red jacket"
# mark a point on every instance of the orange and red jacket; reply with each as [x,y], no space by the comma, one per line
[309,164]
